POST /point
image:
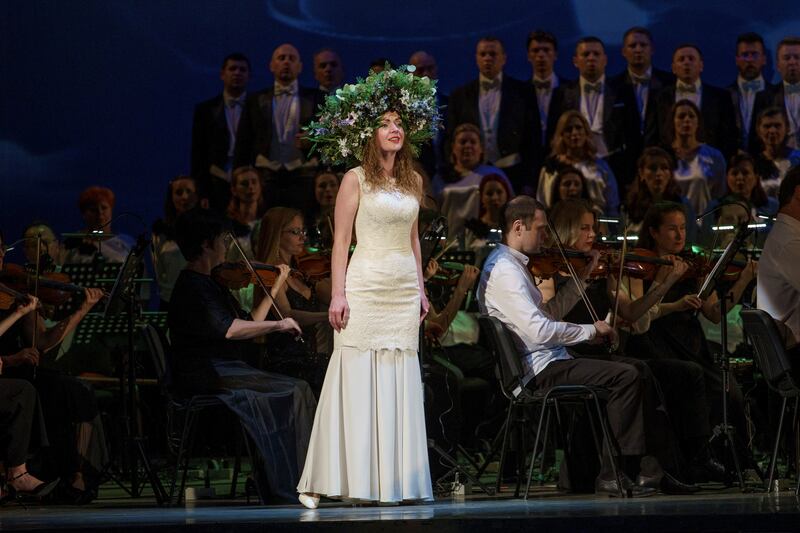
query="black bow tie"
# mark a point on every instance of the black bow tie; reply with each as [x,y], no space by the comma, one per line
[490,85]
[280,91]
[593,87]
[641,80]
[544,85]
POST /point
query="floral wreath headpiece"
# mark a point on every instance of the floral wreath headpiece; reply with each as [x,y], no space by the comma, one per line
[348,118]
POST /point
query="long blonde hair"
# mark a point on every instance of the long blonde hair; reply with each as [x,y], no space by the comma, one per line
[273,223]
[566,219]
[406,179]
[559,147]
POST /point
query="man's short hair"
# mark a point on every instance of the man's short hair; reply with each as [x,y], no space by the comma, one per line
[787,41]
[788,186]
[522,208]
[542,36]
[687,45]
[589,39]
[750,37]
[323,50]
[196,227]
[640,30]
[492,39]
[236,56]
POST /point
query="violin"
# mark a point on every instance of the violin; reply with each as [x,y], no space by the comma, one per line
[314,266]
[54,288]
[638,263]
[236,275]
[10,298]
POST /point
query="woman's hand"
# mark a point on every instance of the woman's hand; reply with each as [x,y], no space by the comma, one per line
[467,278]
[689,302]
[26,356]
[671,274]
[27,307]
[290,325]
[424,306]
[594,256]
[92,297]
[339,312]
[283,275]
[431,269]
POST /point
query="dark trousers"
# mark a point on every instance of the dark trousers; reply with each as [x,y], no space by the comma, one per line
[17,408]
[624,404]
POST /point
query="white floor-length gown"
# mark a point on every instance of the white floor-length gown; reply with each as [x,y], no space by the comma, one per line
[368,441]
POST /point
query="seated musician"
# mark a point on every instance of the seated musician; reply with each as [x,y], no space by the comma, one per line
[77,444]
[778,289]
[507,292]
[207,329]
[671,328]
[670,385]
[18,415]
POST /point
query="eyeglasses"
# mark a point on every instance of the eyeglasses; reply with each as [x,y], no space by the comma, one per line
[297,232]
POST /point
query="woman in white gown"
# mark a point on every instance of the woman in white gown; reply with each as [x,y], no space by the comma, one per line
[368,442]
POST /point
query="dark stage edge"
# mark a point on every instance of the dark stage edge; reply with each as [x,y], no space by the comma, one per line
[716,512]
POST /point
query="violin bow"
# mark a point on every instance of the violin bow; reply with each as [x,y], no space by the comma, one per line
[259,280]
[36,295]
[571,270]
[624,223]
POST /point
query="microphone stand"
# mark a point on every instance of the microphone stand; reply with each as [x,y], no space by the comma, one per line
[715,283]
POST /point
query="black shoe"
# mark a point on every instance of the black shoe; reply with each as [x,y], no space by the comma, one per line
[610,487]
[666,484]
[40,491]
[709,470]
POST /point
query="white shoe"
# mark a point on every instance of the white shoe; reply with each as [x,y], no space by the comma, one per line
[309,501]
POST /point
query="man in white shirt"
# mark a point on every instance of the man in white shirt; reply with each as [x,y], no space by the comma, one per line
[507,291]
[778,286]
[716,107]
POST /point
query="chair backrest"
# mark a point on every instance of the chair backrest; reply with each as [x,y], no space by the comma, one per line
[506,357]
[769,350]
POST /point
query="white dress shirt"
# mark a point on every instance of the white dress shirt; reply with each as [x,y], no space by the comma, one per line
[747,97]
[693,96]
[593,109]
[543,97]
[641,86]
[489,108]
[778,288]
[506,291]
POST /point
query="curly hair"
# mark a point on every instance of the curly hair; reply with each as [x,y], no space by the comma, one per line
[405,177]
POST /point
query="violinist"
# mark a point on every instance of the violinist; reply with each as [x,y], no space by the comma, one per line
[18,412]
[671,328]
[507,291]
[281,240]
[778,274]
[207,329]
[77,449]
[681,381]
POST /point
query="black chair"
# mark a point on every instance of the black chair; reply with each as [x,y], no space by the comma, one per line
[521,399]
[181,442]
[768,348]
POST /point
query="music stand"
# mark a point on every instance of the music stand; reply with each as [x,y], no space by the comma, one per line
[123,300]
[715,282]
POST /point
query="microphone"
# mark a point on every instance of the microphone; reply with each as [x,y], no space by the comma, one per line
[720,206]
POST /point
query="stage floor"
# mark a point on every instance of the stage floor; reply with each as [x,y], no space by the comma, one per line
[727,510]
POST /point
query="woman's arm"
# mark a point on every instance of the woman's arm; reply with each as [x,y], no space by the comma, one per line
[423,298]
[47,339]
[261,310]
[711,308]
[347,200]
[18,313]
[632,308]
[249,329]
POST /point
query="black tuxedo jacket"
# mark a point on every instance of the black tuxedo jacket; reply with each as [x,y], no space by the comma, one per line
[254,134]
[431,155]
[210,136]
[719,119]
[752,144]
[658,80]
[620,115]
[518,123]
[553,112]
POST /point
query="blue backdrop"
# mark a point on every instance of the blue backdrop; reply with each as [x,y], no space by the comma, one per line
[102,91]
